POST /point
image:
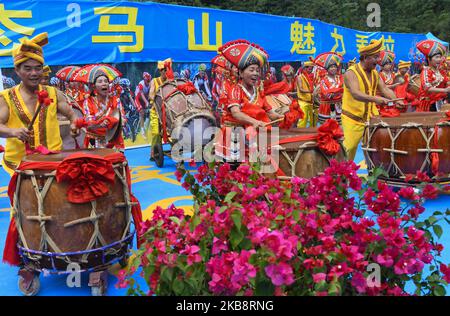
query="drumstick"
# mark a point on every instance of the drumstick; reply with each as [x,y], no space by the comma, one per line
[273,122]
[398,99]
[34,117]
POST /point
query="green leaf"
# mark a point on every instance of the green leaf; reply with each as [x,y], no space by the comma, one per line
[296,215]
[246,244]
[166,275]
[195,221]
[236,216]
[223,209]
[437,213]
[264,287]
[229,197]
[335,289]
[178,287]
[236,237]
[175,219]
[439,290]
[432,220]
[438,230]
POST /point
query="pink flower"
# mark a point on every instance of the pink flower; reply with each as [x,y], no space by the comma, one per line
[445,271]
[192,163]
[319,277]
[218,246]
[178,175]
[429,192]
[192,254]
[280,274]
[416,211]
[359,282]
[408,193]
[385,260]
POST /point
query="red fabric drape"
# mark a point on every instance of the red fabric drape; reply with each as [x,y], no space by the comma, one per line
[2,149]
[187,88]
[389,112]
[11,252]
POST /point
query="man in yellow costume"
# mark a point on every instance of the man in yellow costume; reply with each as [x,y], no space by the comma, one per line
[165,70]
[361,85]
[18,106]
[305,88]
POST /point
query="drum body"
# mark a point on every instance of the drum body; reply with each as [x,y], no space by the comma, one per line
[303,158]
[189,111]
[414,85]
[404,145]
[64,126]
[280,103]
[54,232]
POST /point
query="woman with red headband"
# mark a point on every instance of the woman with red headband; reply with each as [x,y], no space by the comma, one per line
[331,87]
[434,81]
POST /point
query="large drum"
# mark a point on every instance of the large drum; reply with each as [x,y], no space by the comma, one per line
[414,85]
[64,126]
[404,145]
[300,156]
[177,110]
[280,103]
[54,232]
[294,152]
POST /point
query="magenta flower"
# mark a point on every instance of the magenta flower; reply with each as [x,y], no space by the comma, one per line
[192,253]
[280,274]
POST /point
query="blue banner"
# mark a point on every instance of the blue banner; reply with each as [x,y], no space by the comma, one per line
[85,32]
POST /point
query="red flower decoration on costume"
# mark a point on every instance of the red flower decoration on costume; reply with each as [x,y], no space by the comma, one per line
[87,176]
[2,149]
[43,97]
[329,133]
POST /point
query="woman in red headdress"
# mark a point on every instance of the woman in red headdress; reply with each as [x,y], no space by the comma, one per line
[102,115]
[387,69]
[331,87]
[246,106]
[434,81]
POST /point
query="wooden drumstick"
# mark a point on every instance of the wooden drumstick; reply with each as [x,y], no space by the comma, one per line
[30,126]
[273,122]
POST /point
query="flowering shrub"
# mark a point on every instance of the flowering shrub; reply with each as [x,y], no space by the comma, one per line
[252,235]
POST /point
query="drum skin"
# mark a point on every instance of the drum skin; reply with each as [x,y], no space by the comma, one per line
[410,143]
[112,222]
[280,103]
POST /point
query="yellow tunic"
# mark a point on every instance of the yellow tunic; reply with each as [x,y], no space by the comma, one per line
[305,102]
[45,129]
[154,121]
[356,113]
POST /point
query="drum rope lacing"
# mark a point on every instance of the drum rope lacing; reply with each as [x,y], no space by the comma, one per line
[46,240]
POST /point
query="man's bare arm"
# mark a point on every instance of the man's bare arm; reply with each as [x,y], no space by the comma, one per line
[351,82]
[385,91]
[6,132]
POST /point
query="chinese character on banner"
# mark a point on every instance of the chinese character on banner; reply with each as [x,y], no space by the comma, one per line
[302,39]
[130,27]
[389,43]
[361,40]
[339,39]
[206,41]
[6,17]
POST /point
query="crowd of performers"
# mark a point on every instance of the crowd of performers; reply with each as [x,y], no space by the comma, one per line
[241,79]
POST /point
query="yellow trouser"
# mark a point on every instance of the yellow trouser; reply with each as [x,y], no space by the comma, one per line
[307,109]
[353,133]
[154,126]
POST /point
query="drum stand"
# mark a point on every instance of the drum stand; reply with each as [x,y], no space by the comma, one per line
[28,282]
[98,281]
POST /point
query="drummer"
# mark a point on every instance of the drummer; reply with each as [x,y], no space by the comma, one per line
[361,85]
[331,87]
[305,88]
[387,69]
[17,106]
[165,70]
[246,106]
[102,114]
[403,78]
[45,80]
[434,81]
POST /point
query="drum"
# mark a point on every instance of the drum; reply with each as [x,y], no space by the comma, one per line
[294,152]
[54,232]
[303,158]
[414,85]
[189,111]
[403,145]
[280,103]
[64,126]
[445,107]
